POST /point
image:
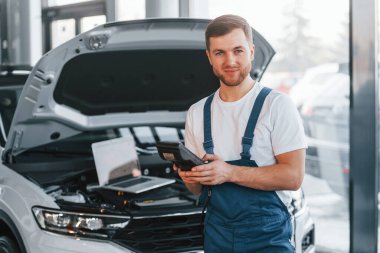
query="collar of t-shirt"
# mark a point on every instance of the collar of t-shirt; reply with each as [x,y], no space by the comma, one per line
[249,94]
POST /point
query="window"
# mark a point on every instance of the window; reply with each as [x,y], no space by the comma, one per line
[61,31]
[88,23]
[62,20]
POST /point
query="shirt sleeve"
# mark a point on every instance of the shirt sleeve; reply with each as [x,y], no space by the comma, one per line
[190,141]
[288,132]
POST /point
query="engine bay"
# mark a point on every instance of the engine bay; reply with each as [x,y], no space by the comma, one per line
[72,195]
[66,171]
[74,185]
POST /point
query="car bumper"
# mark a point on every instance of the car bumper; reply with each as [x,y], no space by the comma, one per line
[46,242]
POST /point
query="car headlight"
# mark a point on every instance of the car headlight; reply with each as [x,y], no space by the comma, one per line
[79,224]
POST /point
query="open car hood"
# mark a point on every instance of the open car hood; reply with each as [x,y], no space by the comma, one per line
[142,72]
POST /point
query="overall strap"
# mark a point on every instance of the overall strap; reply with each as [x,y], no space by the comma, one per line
[247,139]
[208,145]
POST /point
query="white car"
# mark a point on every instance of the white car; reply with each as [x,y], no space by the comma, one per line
[314,81]
[134,78]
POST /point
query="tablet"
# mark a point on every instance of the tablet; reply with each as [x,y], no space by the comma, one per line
[177,153]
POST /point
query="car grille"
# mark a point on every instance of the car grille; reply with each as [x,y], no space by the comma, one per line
[175,233]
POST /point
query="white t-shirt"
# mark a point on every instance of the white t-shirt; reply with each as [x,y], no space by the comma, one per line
[278,130]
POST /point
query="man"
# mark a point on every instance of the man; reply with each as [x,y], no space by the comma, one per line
[254,141]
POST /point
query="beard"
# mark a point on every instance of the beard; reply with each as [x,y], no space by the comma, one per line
[231,82]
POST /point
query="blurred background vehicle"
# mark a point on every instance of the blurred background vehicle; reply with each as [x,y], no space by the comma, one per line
[326,120]
[315,80]
[281,81]
[12,80]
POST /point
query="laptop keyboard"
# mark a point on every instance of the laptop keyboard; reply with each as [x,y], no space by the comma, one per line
[132,182]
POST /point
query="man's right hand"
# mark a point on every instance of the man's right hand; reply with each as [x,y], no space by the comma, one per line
[182,174]
[193,180]
[193,186]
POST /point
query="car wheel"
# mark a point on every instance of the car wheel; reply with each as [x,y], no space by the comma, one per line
[7,245]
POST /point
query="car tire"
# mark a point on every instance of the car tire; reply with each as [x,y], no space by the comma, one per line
[7,245]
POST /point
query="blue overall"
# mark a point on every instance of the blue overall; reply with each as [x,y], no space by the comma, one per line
[241,219]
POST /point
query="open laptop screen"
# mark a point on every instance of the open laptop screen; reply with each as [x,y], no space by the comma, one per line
[115,159]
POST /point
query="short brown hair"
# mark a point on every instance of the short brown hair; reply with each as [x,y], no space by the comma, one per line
[224,24]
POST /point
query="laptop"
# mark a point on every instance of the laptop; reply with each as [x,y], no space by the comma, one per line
[118,167]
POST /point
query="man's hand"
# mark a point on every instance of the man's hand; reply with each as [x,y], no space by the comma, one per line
[183,176]
[192,185]
[214,172]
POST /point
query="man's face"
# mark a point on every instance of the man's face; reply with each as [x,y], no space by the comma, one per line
[230,56]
